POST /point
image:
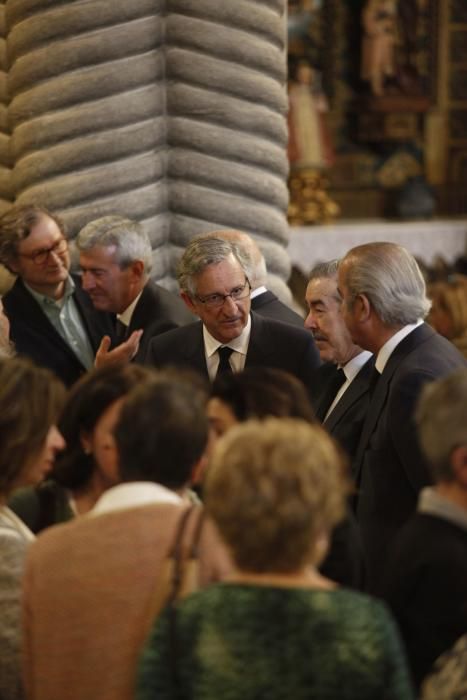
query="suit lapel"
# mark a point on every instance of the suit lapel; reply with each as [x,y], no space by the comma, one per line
[378,400]
[139,315]
[357,388]
[260,346]
[27,307]
[193,348]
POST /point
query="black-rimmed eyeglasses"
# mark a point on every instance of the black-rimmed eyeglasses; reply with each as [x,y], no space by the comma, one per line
[40,257]
[214,301]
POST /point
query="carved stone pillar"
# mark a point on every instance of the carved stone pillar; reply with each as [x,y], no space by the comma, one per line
[170,112]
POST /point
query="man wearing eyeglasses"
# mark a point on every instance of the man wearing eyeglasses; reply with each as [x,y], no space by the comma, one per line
[213,276]
[51,319]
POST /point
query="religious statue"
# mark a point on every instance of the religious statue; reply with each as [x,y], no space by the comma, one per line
[309,138]
[379,21]
[310,151]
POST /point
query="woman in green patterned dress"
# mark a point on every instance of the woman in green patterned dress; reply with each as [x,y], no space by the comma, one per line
[276,629]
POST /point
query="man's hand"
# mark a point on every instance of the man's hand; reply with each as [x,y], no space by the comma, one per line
[120,355]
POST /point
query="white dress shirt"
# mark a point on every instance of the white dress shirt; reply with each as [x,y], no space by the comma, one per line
[239,346]
[390,345]
[132,495]
[350,369]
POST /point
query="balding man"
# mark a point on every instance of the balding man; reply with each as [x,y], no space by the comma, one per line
[383,304]
[263,301]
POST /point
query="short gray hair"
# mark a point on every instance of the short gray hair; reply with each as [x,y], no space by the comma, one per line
[390,277]
[203,251]
[129,238]
[326,270]
[441,420]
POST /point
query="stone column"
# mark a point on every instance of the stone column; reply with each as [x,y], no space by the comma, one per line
[171,112]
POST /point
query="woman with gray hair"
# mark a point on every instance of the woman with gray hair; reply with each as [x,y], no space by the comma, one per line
[276,628]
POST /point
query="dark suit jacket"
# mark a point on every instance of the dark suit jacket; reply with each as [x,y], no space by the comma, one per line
[35,337]
[272,344]
[267,304]
[157,311]
[345,421]
[390,469]
[426,587]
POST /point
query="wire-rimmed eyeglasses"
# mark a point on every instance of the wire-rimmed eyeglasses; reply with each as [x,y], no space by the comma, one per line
[214,301]
[40,257]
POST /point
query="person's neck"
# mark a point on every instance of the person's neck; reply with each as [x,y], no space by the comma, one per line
[352,352]
[87,496]
[54,291]
[452,492]
[306,577]
[384,334]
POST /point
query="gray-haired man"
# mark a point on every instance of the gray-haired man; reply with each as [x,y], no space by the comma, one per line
[115,257]
[383,304]
[214,283]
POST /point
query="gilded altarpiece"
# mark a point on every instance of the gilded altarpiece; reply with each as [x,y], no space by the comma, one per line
[384,143]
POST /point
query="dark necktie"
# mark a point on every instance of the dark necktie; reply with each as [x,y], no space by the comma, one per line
[329,394]
[224,353]
[120,331]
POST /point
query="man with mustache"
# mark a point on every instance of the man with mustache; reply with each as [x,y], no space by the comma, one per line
[341,384]
[214,279]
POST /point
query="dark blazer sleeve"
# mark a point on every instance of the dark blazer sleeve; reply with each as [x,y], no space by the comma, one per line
[282,345]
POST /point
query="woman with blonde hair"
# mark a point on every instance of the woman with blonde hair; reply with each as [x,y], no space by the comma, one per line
[30,400]
[448,314]
[276,628]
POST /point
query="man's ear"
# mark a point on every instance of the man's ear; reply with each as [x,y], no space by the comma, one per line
[137,269]
[362,307]
[11,266]
[459,465]
[189,302]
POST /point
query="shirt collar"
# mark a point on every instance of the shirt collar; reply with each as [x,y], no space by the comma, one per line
[125,317]
[353,366]
[432,503]
[390,345]
[68,289]
[134,494]
[256,292]
[239,344]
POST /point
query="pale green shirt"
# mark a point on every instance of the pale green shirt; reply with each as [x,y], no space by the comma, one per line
[63,314]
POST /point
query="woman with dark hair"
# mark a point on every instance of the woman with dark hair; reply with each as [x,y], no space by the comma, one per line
[30,400]
[88,465]
[261,392]
[256,392]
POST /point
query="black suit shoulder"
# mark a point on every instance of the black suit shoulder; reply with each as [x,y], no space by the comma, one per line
[272,344]
[425,585]
[282,345]
[156,312]
[268,304]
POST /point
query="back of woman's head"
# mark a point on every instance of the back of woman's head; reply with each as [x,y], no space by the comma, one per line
[450,297]
[87,401]
[30,401]
[273,487]
[258,392]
